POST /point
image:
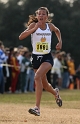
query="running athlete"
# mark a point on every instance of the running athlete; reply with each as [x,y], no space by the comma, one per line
[40,29]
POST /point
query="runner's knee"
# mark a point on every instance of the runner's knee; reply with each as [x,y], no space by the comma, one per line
[37,77]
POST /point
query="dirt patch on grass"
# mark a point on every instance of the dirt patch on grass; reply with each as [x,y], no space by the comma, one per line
[18,114]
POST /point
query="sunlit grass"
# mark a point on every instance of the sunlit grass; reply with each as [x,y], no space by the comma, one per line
[71,98]
[67,95]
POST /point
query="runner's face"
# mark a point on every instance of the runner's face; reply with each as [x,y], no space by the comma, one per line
[42,16]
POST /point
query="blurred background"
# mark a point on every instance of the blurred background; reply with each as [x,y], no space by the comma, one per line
[65,15]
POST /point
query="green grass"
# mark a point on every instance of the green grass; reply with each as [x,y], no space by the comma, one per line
[71,95]
[67,95]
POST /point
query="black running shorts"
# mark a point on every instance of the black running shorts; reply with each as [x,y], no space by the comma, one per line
[37,60]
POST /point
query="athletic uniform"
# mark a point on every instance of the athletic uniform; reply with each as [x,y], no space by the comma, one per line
[41,43]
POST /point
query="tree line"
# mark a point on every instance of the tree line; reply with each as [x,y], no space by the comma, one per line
[66,16]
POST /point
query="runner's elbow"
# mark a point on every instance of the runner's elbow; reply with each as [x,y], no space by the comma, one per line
[20,37]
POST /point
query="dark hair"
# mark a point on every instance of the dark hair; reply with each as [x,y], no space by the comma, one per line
[25,53]
[11,49]
[32,18]
[1,43]
[43,8]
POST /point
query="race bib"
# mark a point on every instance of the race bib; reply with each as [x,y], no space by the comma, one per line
[41,47]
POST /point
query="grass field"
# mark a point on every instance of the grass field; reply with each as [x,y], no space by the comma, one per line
[14,108]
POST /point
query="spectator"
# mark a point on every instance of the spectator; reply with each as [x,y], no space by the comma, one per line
[15,71]
[30,76]
[54,76]
[65,71]
[78,78]
[25,63]
[57,69]
[2,60]
[19,58]
[9,61]
[6,71]
[72,72]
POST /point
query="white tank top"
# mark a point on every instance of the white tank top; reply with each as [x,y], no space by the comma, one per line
[41,41]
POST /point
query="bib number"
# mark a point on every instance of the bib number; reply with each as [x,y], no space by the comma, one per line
[41,47]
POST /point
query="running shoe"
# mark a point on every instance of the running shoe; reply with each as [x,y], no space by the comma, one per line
[58,98]
[35,111]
